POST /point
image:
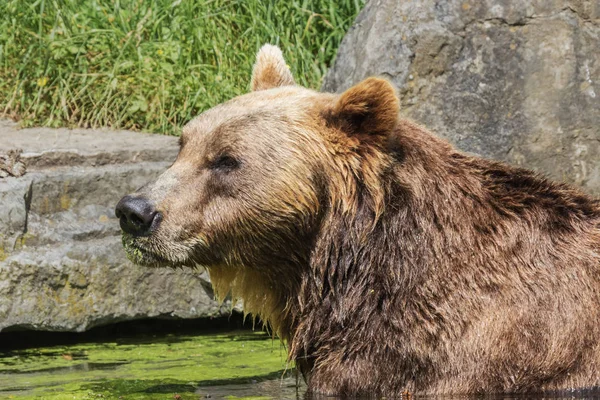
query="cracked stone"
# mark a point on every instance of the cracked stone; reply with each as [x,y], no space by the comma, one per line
[514,81]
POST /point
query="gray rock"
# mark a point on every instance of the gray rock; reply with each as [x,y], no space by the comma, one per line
[50,148]
[518,81]
[62,266]
[14,200]
[81,284]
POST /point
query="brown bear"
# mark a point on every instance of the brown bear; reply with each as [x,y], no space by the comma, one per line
[387,260]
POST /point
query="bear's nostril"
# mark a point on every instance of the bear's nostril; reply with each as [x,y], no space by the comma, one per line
[136,215]
[135,220]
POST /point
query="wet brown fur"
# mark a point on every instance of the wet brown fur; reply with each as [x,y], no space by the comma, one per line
[385,258]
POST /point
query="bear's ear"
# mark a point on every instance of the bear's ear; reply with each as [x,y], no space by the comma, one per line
[270,70]
[370,107]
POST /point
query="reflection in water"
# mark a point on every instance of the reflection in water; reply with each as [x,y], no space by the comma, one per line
[285,388]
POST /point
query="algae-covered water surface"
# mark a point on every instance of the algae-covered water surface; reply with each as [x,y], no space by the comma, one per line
[241,364]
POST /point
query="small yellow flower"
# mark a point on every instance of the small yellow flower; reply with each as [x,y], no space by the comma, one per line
[41,82]
[160,52]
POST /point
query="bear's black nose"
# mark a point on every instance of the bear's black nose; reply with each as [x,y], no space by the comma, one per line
[136,215]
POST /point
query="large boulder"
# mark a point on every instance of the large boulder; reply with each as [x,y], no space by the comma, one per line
[62,266]
[517,81]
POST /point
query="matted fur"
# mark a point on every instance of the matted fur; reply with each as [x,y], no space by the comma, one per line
[385,258]
[258,297]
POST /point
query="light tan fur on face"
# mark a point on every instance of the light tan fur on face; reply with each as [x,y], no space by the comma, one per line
[282,189]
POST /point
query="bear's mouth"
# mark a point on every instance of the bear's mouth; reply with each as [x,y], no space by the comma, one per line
[138,254]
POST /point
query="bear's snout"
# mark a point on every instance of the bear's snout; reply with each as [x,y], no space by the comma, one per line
[137,215]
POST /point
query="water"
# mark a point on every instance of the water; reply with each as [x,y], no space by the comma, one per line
[233,366]
[229,366]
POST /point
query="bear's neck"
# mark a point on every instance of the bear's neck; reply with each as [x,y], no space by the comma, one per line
[414,211]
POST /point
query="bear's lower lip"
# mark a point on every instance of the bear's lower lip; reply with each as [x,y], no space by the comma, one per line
[141,256]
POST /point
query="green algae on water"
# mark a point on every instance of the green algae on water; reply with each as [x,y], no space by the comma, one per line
[153,368]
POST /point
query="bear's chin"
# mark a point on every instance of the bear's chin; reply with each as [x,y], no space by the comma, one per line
[138,255]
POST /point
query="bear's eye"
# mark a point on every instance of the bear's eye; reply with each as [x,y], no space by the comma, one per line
[224,162]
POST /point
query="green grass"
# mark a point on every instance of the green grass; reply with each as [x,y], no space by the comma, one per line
[152,64]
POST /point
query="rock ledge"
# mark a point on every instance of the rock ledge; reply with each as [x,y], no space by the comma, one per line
[62,267]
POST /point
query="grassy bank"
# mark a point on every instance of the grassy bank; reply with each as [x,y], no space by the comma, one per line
[152,64]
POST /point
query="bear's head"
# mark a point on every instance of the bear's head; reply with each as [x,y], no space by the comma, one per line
[256,178]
